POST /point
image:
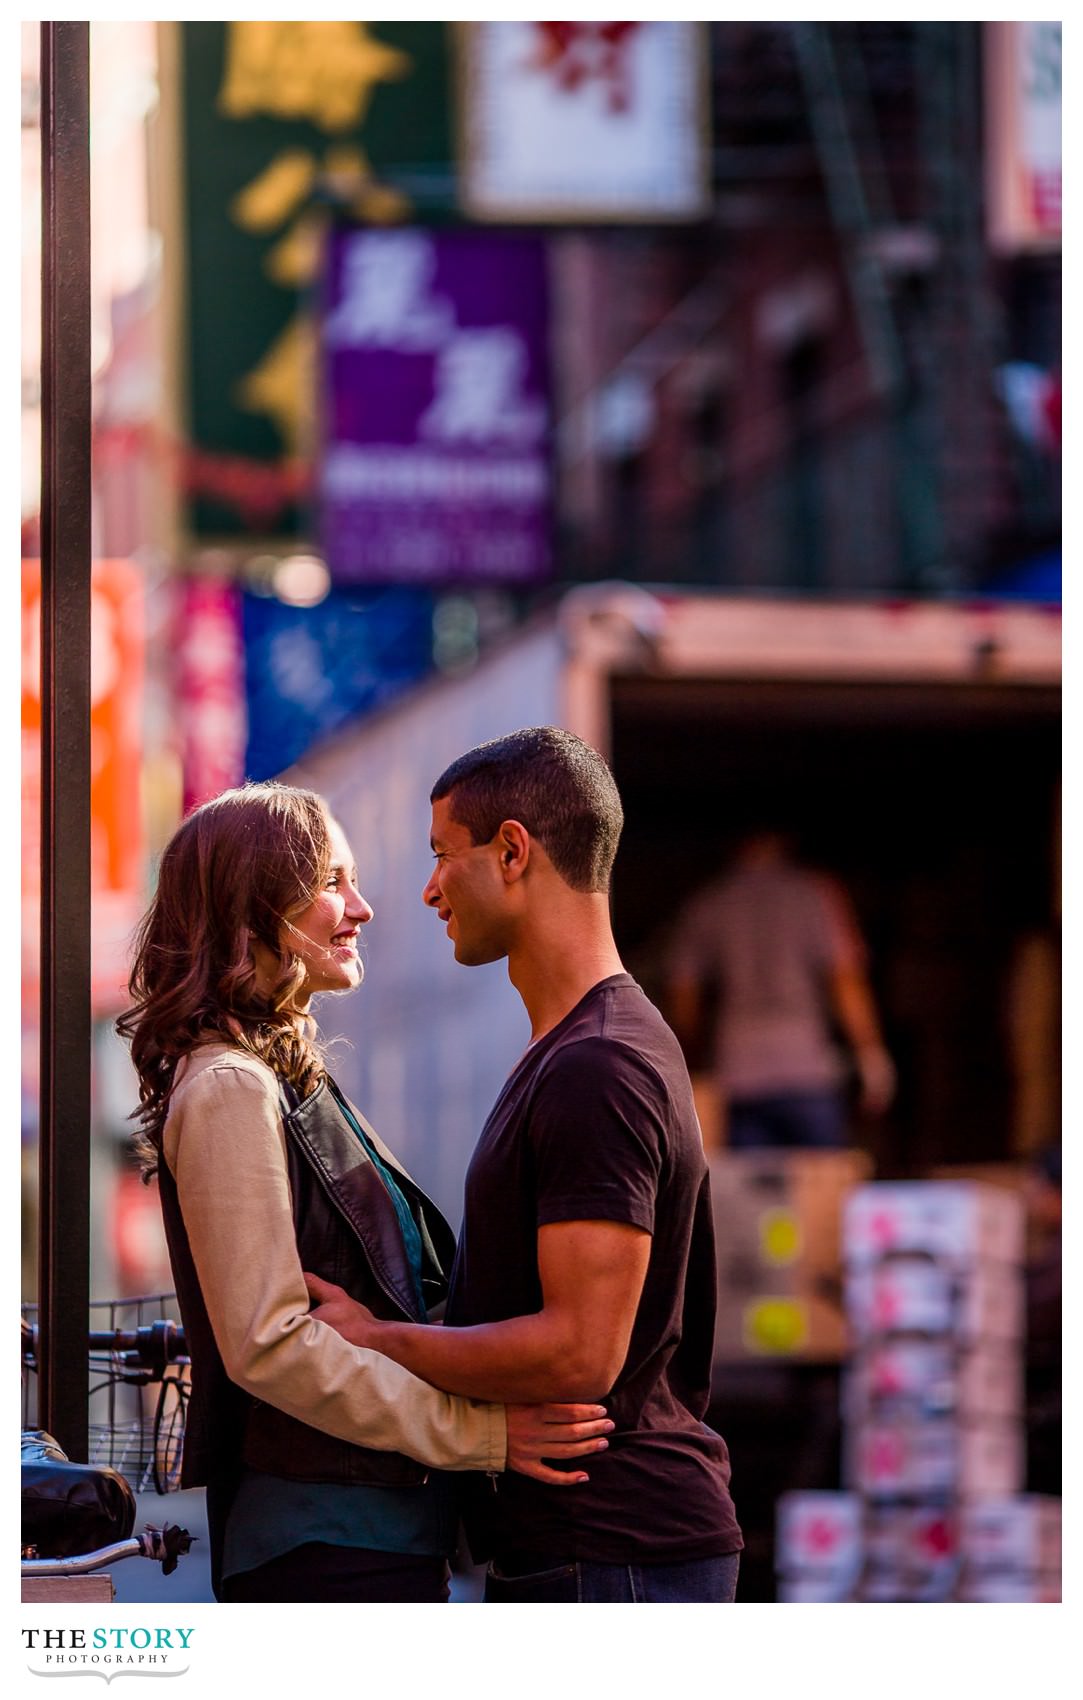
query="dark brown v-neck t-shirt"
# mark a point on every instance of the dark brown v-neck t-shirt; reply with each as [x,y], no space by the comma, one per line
[597,1122]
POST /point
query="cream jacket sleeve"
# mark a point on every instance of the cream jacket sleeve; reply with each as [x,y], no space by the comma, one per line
[225,1145]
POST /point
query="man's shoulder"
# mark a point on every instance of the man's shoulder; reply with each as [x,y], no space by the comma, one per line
[639,1048]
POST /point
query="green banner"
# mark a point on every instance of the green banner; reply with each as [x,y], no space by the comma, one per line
[286,125]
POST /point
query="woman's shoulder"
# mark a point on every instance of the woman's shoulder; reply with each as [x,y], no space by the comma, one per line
[221,1089]
[219,1062]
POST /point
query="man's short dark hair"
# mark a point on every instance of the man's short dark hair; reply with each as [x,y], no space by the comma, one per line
[559,788]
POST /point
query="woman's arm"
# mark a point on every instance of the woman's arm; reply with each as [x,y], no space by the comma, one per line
[225,1145]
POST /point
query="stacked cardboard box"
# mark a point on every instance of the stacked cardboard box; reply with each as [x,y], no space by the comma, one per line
[819,1547]
[1011,1549]
[778,1217]
[843,1547]
[934,1293]
[932,1405]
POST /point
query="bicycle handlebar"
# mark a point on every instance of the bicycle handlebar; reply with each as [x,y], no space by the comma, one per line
[162,1545]
[151,1347]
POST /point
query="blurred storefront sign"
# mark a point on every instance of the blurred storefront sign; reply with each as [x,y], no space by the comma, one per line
[209,687]
[1023,127]
[309,670]
[435,465]
[117,839]
[138,1243]
[283,122]
[605,121]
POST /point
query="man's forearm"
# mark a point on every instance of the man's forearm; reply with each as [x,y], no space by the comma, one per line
[527,1358]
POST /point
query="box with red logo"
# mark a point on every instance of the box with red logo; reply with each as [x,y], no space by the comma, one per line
[1021,1533]
[1010,1587]
[818,1531]
[957,1222]
[884,1585]
[911,1536]
[912,1295]
[905,1377]
[912,1552]
[819,1546]
[936,1457]
[814,1590]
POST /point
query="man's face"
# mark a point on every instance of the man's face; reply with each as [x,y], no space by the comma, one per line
[467,891]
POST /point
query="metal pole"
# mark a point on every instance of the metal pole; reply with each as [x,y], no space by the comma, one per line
[64,1150]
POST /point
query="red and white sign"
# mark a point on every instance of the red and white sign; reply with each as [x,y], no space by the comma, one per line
[600,121]
[1023,127]
[210,690]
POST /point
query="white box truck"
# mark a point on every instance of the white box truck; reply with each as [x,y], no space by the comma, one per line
[889,729]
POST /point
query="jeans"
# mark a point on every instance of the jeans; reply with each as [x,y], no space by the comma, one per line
[813,1120]
[705,1581]
[318,1572]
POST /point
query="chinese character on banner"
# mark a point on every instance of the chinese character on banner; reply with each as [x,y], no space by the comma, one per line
[285,124]
[584,120]
[210,688]
[310,670]
[117,846]
[435,465]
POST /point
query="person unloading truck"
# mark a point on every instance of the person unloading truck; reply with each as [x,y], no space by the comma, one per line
[780,946]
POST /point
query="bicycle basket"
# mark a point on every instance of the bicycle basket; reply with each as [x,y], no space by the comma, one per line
[138,1385]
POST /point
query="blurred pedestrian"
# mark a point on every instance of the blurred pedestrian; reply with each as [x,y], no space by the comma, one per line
[586,1262]
[321,1461]
[778,945]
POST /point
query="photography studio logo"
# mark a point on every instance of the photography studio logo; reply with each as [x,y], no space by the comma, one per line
[108,1653]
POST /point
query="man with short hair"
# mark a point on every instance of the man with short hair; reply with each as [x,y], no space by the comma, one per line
[585,1267]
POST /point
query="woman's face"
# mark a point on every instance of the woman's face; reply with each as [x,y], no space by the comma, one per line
[325,935]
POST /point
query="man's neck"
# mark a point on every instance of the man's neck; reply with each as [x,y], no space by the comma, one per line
[556,964]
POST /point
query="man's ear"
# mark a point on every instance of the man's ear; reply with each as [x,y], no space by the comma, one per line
[513,841]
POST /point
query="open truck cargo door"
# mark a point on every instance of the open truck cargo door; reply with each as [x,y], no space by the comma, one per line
[915,746]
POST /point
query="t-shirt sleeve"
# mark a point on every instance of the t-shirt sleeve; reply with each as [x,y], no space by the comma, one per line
[597,1127]
[843,946]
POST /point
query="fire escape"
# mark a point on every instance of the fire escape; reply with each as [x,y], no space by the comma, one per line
[877,127]
[858,140]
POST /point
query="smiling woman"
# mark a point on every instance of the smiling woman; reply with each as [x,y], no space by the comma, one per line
[321,1460]
[326,934]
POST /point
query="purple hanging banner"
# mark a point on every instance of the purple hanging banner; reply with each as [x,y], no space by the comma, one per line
[435,464]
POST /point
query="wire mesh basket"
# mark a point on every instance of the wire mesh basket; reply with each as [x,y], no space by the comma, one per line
[138,1386]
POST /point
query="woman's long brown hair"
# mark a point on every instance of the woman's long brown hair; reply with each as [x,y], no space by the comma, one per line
[237,868]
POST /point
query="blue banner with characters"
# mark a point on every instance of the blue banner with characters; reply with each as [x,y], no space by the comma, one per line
[309,670]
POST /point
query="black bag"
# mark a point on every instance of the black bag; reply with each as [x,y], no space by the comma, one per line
[70,1508]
